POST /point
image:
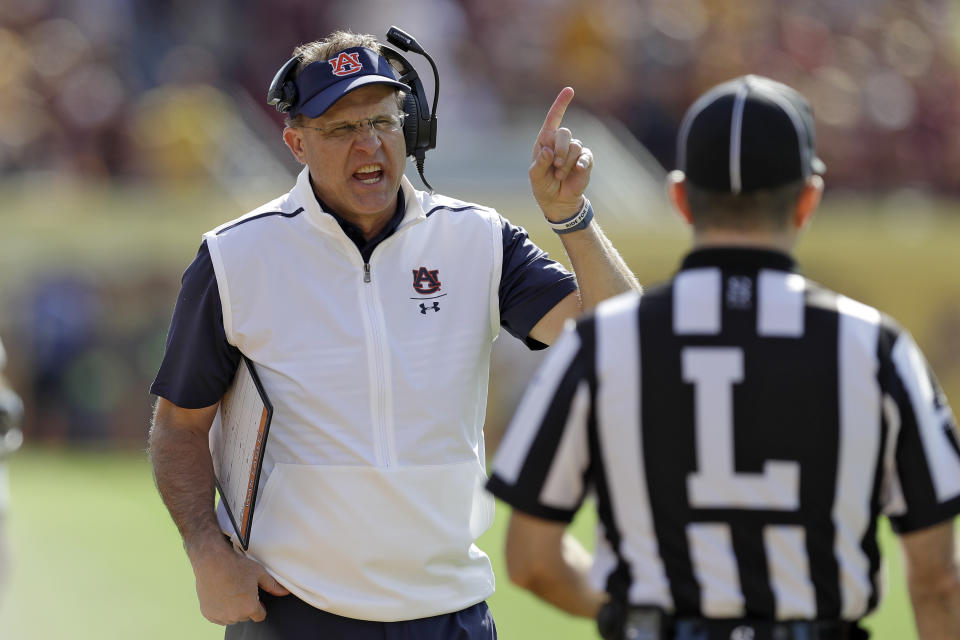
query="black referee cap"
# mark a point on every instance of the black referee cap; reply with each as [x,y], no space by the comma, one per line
[746,134]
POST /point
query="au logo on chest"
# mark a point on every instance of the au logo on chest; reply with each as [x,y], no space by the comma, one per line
[426,280]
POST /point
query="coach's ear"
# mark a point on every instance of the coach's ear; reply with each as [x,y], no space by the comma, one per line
[677,194]
[808,201]
[294,141]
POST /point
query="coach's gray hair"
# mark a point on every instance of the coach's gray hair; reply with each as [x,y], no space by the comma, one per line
[320,50]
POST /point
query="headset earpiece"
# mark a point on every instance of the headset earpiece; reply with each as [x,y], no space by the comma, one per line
[282,94]
[412,123]
[417,128]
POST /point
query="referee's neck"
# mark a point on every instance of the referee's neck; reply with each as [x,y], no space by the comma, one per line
[727,238]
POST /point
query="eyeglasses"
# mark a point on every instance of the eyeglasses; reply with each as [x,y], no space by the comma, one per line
[383,123]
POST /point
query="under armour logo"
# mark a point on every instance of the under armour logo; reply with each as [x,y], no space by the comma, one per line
[426,280]
[424,308]
[346,64]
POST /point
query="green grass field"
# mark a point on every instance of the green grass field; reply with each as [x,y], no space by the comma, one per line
[95,556]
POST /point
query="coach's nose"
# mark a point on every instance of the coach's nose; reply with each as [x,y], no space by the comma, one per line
[367,139]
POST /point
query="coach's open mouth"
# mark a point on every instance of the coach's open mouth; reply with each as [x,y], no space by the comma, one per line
[369,173]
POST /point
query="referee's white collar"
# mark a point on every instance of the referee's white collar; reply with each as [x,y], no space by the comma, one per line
[305,197]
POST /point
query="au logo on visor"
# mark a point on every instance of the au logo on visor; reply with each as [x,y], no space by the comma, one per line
[346,64]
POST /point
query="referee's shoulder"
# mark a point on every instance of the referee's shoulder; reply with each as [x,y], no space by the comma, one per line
[820,297]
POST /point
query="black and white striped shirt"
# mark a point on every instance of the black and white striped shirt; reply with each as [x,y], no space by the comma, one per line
[742,428]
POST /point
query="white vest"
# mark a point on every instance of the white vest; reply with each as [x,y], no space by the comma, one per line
[372,492]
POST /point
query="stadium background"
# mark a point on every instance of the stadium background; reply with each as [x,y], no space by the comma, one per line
[127,128]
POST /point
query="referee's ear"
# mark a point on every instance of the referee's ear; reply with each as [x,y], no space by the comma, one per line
[677,194]
[808,202]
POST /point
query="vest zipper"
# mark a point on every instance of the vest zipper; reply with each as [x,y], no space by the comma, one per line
[381,418]
[382,402]
[380,381]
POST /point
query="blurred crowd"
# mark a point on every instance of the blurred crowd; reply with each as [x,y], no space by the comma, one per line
[883,75]
[84,350]
[130,89]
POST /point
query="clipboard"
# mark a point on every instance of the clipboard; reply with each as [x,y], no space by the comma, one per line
[238,439]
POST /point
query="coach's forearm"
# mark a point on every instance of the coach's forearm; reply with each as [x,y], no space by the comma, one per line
[183,471]
[601,271]
[936,606]
[226,580]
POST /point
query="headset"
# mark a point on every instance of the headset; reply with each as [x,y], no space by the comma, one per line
[420,125]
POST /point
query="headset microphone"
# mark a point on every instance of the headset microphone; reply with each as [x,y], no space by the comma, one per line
[403,40]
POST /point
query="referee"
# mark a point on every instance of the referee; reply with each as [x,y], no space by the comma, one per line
[742,427]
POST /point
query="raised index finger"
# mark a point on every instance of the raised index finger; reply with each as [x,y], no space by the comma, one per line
[555,115]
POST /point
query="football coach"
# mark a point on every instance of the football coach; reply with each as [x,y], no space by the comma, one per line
[369,308]
[742,427]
